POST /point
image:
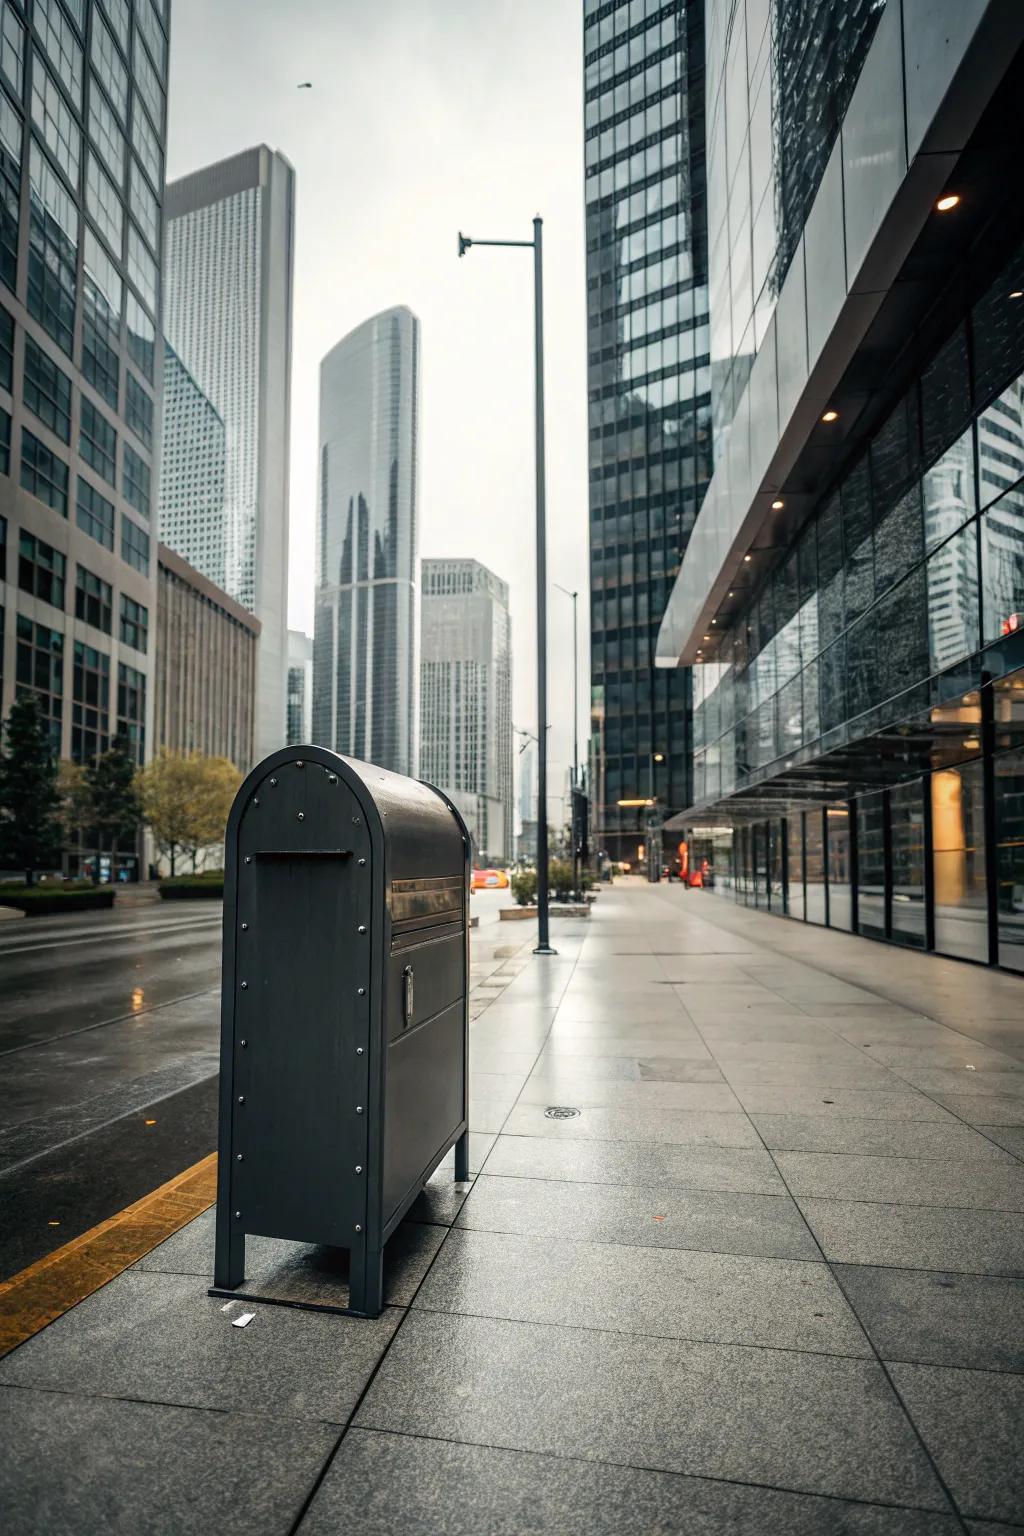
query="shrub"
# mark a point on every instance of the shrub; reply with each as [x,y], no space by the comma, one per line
[40,900]
[193,887]
[524,887]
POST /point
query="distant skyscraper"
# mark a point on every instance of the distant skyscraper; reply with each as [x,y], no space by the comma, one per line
[228,315]
[365,640]
[191,515]
[466,697]
[300,687]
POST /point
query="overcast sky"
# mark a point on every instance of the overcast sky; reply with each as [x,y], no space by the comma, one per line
[426,116]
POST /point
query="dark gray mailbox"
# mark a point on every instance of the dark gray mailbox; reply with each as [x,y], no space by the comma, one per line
[344,1019]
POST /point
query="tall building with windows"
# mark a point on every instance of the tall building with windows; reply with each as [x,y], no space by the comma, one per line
[229,254]
[851,599]
[300,687]
[366,632]
[648,390]
[466,698]
[192,512]
[82,132]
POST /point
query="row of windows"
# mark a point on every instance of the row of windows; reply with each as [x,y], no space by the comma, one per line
[42,572]
[39,669]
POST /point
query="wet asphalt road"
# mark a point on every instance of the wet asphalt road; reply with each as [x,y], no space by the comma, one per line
[108,1061]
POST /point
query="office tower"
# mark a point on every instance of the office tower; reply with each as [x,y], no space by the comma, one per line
[466,698]
[229,248]
[191,512]
[206,652]
[300,687]
[851,599]
[648,391]
[365,636]
[82,130]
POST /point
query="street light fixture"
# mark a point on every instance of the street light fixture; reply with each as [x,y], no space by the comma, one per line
[543,942]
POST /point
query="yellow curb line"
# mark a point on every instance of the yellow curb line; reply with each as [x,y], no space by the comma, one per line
[53,1285]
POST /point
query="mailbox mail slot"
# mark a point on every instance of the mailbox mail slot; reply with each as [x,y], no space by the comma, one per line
[344,1014]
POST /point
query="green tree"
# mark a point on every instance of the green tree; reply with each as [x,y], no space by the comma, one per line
[185,800]
[115,807]
[30,801]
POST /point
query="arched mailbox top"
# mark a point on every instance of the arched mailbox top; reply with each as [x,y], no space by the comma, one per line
[416,829]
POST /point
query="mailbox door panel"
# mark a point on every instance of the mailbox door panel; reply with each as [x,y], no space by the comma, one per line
[296,1133]
[424,1099]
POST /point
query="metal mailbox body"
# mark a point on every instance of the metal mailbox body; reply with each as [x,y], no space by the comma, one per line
[344,1013]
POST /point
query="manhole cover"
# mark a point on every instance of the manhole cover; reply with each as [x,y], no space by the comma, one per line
[560,1112]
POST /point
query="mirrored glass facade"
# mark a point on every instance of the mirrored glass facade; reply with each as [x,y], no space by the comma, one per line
[648,388]
[365,638]
[77,408]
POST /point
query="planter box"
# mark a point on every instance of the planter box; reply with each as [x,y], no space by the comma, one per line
[556,909]
[513,914]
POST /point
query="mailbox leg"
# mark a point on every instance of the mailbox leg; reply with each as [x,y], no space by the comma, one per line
[462,1159]
[229,1257]
[366,1280]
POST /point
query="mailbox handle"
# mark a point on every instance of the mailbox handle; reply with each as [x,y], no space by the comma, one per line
[304,853]
[407,997]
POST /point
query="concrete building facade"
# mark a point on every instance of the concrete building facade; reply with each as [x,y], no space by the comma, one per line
[466,698]
[300,687]
[206,654]
[229,254]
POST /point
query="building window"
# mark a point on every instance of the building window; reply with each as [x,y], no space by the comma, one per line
[141,337]
[147,81]
[41,570]
[103,293]
[39,669]
[97,442]
[134,623]
[109,66]
[118,13]
[105,134]
[95,514]
[10,190]
[12,49]
[135,545]
[138,413]
[52,251]
[147,23]
[135,481]
[141,267]
[90,707]
[5,443]
[43,473]
[6,349]
[131,708]
[94,600]
[52,116]
[144,206]
[62,47]
[103,203]
[47,391]
[146,145]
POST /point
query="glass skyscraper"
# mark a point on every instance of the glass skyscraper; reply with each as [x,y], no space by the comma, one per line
[192,513]
[82,130]
[648,390]
[228,317]
[366,631]
[851,600]
[466,697]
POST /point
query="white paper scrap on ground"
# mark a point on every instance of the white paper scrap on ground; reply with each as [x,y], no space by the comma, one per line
[242,1320]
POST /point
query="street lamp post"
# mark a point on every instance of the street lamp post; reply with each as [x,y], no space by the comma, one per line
[543,941]
[575,734]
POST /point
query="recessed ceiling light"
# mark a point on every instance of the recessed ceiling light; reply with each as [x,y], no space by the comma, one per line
[778,504]
[950,200]
[1018,293]
[707,637]
[748,558]
[732,594]
[714,621]
[830,415]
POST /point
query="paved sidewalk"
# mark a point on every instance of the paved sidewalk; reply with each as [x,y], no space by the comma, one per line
[763,1275]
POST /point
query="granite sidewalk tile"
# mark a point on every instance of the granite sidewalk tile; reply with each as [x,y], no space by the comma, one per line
[973,1424]
[637,1123]
[659,1292]
[918,1236]
[893,1101]
[931,1318]
[741,1169]
[806,1423]
[976,1186]
[159,1337]
[559,1085]
[878,1138]
[382,1483]
[74,1465]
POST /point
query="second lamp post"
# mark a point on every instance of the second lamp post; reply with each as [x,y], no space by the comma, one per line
[543,937]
